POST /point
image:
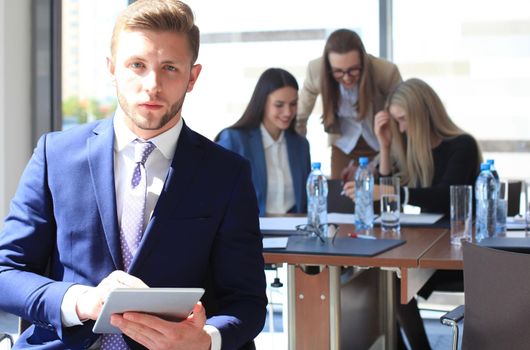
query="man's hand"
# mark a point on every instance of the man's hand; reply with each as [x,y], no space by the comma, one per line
[89,304]
[156,333]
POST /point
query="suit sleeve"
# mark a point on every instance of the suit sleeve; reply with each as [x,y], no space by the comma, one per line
[27,248]
[239,267]
[308,96]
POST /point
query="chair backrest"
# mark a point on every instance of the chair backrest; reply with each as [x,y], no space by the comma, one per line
[338,203]
[514,197]
[497,299]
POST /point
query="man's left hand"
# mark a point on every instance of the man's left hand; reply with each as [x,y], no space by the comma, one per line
[156,333]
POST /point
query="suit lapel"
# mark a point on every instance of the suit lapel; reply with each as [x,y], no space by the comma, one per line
[293,155]
[256,145]
[185,163]
[101,164]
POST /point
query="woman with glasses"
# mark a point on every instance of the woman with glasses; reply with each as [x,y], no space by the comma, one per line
[354,86]
[265,135]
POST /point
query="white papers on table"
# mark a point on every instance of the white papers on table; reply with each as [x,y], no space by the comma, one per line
[515,223]
[281,223]
[417,219]
[275,242]
[290,223]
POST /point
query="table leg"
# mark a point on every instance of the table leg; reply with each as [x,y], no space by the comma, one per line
[314,302]
[389,309]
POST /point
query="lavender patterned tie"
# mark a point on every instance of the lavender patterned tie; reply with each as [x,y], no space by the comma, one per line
[132,224]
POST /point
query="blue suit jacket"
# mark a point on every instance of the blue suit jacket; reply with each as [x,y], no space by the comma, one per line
[249,144]
[62,229]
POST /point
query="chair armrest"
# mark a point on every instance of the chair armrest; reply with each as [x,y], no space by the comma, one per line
[453,317]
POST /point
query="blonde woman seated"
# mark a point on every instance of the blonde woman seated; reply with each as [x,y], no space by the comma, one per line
[429,152]
[424,147]
[265,135]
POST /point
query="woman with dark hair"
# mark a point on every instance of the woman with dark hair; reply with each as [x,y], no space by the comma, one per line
[265,135]
[354,86]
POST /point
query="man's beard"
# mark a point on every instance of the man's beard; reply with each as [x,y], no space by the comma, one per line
[144,123]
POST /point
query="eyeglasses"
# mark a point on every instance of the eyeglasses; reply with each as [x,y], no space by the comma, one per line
[328,230]
[351,72]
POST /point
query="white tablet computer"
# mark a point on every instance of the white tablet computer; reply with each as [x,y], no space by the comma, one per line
[168,303]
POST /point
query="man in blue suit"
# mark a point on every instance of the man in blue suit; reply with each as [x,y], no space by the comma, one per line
[63,243]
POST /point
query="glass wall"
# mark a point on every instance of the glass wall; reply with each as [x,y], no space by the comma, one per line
[238,45]
[87,93]
[476,55]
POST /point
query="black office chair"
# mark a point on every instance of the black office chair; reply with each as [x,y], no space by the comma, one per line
[338,203]
[497,300]
[514,197]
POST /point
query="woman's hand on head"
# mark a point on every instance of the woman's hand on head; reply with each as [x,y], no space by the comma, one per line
[382,129]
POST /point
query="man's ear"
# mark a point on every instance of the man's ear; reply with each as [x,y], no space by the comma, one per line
[194,75]
[111,67]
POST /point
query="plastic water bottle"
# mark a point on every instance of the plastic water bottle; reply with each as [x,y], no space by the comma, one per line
[486,203]
[364,190]
[317,198]
[501,202]
[493,170]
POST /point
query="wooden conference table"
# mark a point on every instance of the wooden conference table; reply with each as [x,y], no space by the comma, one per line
[314,297]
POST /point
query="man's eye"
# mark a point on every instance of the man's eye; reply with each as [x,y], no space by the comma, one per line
[137,65]
[171,68]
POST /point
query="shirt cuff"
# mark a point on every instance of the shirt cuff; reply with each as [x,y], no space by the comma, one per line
[68,314]
[215,335]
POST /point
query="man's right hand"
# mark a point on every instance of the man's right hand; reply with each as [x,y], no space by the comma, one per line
[89,304]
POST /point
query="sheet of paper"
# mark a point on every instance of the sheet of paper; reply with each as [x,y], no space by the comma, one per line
[281,223]
[275,242]
[515,223]
[417,219]
[340,218]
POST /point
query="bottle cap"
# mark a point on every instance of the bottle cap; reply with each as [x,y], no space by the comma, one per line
[490,161]
[484,166]
[315,165]
[363,161]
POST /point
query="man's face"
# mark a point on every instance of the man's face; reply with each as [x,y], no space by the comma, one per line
[152,72]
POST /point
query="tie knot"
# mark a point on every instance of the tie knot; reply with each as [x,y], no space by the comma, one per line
[142,150]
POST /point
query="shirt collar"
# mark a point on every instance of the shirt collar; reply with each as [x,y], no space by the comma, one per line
[166,142]
[268,141]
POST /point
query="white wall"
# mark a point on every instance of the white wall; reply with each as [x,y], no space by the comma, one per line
[15,96]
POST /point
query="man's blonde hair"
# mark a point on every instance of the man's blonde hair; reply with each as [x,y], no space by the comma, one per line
[158,15]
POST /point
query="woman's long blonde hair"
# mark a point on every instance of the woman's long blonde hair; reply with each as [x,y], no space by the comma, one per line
[426,117]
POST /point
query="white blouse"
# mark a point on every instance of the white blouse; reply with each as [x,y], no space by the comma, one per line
[351,128]
[280,190]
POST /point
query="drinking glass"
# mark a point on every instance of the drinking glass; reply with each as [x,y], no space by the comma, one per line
[390,203]
[460,213]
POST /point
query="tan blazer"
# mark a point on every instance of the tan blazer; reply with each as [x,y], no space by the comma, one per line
[385,76]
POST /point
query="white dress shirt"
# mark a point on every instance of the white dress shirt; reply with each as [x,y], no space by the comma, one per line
[351,128]
[280,190]
[157,167]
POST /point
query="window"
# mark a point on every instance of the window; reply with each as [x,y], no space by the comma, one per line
[87,93]
[238,45]
[476,55]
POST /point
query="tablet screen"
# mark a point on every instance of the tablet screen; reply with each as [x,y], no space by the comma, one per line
[169,303]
